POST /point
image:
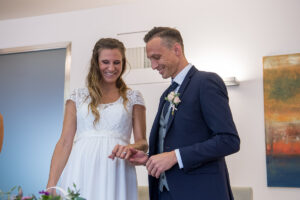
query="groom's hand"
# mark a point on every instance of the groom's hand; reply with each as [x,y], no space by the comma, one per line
[137,157]
[159,163]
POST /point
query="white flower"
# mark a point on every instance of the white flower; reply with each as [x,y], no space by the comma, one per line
[176,100]
[171,96]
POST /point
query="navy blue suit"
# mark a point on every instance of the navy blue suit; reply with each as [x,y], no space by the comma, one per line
[203,130]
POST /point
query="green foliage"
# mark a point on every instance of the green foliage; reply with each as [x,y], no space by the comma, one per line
[72,195]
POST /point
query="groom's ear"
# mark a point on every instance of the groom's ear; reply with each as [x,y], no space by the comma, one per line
[177,49]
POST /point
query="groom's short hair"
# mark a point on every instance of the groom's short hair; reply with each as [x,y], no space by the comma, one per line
[169,35]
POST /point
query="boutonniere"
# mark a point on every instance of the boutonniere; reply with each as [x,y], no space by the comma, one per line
[173,98]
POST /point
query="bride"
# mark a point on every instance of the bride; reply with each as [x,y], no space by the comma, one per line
[97,126]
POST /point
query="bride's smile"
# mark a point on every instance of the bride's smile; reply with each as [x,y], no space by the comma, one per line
[110,64]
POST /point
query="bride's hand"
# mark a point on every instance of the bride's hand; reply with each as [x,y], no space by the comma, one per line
[120,151]
[52,191]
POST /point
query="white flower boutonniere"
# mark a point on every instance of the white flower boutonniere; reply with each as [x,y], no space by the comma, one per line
[173,98]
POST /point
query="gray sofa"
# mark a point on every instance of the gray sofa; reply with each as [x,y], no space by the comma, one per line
[239,193]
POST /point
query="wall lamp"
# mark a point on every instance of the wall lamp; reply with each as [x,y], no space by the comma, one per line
[231,81]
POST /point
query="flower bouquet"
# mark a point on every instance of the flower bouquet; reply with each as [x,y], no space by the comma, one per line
[70,195]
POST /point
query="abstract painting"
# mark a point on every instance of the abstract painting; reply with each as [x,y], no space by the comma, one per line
[281,77]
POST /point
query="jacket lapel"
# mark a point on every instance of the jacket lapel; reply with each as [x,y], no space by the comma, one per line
[181,91]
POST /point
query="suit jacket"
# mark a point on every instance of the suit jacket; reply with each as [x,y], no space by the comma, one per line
[203,130]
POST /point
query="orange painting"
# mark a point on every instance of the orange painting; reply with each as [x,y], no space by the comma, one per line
[282,119]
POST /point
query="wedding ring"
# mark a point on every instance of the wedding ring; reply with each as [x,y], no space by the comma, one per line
[124,152]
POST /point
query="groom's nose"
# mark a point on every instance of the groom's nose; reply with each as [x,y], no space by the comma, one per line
[154,64]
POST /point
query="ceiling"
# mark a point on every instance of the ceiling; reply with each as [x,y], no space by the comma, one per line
[12,9]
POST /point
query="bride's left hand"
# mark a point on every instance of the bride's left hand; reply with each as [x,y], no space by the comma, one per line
[120,151]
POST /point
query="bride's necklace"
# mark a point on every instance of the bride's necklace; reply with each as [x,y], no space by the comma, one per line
[110,98]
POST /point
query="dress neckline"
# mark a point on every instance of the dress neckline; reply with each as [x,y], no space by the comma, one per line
[112,102]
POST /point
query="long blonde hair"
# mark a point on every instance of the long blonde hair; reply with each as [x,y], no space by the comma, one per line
[94,76]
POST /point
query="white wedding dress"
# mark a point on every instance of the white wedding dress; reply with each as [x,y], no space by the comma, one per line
[95,175]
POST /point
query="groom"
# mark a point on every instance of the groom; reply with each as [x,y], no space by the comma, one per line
[193,129]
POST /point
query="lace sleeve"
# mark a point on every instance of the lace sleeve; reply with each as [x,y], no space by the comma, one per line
[72,96]
[136,97]
[78,96]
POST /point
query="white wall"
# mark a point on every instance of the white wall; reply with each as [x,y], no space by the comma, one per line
[228,37]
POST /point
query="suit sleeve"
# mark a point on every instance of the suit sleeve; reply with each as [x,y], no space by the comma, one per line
[224,139]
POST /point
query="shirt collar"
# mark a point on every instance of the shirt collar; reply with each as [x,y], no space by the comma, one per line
[180,77]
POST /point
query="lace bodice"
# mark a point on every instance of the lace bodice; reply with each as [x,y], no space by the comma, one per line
[115,120]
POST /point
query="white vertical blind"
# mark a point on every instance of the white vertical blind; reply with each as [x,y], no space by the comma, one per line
[137,58]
